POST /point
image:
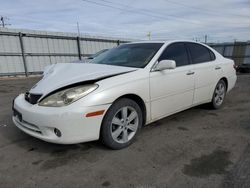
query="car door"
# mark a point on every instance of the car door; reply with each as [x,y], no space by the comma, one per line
[172,90]
[206,71]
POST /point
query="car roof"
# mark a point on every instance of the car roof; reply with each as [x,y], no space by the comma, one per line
[163,42]
[167,42]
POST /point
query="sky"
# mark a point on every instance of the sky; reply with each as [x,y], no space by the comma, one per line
[220,21]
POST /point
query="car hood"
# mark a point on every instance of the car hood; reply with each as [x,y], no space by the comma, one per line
[63,74]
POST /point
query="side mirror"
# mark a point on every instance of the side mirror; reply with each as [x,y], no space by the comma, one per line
[165,64]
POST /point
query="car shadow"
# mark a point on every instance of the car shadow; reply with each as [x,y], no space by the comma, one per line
[193,112]
[32,144]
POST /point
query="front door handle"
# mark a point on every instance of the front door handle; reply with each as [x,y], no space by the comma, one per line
[190,73]
[217,68]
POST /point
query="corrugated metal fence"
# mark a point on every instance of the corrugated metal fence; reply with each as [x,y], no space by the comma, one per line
[28,52]
[238,51]
[25,52]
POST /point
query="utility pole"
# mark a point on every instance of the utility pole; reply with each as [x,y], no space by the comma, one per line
[149,35]
[3,21]
[78,29]
[205,39]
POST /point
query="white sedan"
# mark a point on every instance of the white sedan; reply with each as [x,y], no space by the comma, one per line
[111,97]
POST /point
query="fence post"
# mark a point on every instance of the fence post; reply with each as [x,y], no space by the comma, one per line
[23,53]
[79,47]
[224,49]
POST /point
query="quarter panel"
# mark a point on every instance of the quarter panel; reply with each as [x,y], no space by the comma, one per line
[205,78]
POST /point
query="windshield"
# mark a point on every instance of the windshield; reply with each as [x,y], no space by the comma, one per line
[129,55]
[98,53]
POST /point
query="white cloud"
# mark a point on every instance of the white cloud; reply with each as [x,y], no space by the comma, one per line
[222,20]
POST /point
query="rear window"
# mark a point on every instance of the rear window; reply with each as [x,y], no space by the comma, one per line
[199,53]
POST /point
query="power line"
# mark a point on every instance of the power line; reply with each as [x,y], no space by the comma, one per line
[132,9]
[148,13]
[180,4]
[176,17]
[203,9]
[121,4]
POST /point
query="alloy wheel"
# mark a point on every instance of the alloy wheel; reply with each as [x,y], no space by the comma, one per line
[219,94]
[124,124]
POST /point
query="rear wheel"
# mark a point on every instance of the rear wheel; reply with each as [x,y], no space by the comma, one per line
[121,124]
[219,95]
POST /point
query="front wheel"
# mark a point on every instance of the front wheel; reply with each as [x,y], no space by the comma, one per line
[219,95]
[121,124]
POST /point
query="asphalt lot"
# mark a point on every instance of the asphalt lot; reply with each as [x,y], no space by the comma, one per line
[195,148]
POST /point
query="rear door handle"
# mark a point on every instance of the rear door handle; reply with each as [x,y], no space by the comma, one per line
[190,73]
[217,68]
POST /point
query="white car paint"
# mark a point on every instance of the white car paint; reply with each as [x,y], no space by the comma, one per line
[64,74]
[163,93]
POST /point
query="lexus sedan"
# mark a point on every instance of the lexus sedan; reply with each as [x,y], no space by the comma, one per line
[119,91]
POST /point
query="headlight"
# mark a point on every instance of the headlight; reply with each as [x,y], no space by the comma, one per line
[67,96]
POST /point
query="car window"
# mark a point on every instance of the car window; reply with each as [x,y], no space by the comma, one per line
[199,53]
[211,55]
[176,52]
[129,55]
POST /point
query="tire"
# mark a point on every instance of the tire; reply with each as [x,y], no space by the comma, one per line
[219,95]
[119,130]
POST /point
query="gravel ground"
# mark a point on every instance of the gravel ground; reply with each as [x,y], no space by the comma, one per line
[195,148]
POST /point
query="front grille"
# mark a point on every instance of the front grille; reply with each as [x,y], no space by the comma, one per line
[25,124]
[30,127]
[18,115]
[32,98]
